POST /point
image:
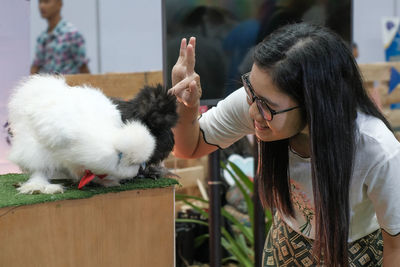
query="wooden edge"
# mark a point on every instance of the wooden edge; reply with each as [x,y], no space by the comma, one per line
[379,71]
[119,85]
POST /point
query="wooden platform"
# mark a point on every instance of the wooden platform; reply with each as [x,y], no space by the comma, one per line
[120,85]
[380,73]
[126,228]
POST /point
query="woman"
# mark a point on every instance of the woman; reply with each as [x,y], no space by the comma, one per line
[330,165]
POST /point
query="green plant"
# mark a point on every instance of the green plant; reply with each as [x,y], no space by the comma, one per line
[240,242]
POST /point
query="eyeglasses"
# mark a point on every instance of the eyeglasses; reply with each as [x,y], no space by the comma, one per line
[267,112]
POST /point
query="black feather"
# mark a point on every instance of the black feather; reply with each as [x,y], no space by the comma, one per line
[154,107]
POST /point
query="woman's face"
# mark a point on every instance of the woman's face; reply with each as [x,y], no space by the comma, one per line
[282,125]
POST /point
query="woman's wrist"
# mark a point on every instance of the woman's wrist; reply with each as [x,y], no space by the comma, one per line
[188,114]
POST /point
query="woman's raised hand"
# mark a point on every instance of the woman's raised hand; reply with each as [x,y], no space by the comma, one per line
[185,81]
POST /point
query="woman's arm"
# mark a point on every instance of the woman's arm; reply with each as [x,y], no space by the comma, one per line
[391,250]
[189,142]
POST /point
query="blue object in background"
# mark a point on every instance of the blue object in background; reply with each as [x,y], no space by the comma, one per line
[393,82]
[391,38]
[393,51]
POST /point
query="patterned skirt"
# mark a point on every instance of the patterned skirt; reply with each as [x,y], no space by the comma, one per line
[286,247]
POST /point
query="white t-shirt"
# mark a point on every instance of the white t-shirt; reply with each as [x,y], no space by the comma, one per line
[375,184]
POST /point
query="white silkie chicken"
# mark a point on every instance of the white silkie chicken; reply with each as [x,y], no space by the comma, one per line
[63,132]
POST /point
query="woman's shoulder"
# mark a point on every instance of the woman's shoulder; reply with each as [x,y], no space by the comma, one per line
[373,136]
[228,121]
[234,106]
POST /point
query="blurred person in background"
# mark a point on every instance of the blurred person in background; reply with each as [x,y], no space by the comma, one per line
[60,48]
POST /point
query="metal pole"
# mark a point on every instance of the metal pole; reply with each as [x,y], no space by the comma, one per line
[214,220]
[259,215]
[98,38]
[164,43]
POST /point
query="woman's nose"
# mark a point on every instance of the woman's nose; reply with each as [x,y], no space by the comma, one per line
[255,113]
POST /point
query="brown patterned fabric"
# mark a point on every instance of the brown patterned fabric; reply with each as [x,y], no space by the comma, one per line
[286,247]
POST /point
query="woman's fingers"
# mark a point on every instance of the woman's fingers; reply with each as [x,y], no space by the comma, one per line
[185,64]
[179,71]
[186,57]
[192,41]
[179,87]
[195,89]
[187,91]
[182,52]
[190,60]
[191,55]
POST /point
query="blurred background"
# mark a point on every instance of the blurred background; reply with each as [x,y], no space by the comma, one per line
[137,36]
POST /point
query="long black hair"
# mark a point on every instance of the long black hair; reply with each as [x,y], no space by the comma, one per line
[314,66]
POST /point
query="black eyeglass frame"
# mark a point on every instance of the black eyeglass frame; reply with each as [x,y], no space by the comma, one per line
[259,101]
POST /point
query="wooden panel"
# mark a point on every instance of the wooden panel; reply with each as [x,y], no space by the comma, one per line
[189,176]
[131,228]
[121,85]
[378,71]
[189,171]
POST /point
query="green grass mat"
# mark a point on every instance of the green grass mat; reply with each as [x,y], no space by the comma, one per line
[9,195]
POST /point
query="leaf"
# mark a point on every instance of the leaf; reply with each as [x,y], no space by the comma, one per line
[242,176]
[236,250]
[240,245]
[246,196]
[192,221]
[245,246]
[182,197]
[200,210]
[199,240]
[244,229]
[268,215]
[227,259]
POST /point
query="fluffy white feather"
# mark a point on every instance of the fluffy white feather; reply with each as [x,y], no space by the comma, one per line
[59,131]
